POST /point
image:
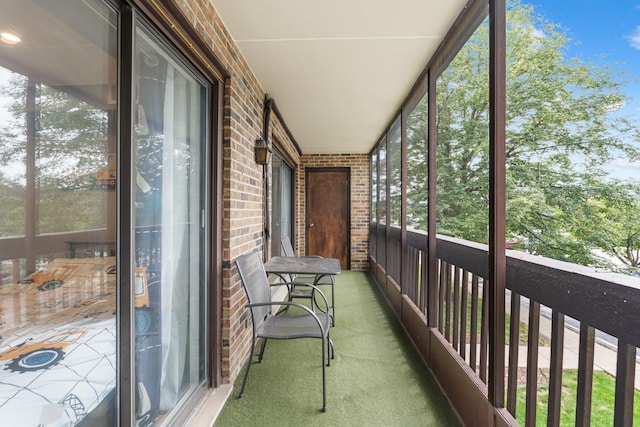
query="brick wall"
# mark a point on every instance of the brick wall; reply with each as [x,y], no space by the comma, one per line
[243,191]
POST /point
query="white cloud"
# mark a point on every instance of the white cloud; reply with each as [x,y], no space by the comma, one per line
[624,163]
[634,38]
[624,170]
[539,33]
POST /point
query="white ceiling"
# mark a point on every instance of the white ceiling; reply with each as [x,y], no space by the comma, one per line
[338,70]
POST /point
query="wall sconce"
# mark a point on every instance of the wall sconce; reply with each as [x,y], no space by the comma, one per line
[262,152]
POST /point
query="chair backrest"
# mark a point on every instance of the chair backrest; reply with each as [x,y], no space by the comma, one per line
[256,285]
[287,248]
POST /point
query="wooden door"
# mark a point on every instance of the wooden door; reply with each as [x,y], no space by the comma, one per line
[328,214]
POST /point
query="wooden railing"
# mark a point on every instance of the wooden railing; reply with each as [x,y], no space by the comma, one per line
[24,254]
[551,291]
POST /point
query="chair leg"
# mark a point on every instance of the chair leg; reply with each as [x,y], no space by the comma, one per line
[324,381]
[329,348]
[246,373]
[262,347]
[333,307]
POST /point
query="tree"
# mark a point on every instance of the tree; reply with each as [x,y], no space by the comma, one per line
[563,125]
[612,217]
[417,137]
[70,143]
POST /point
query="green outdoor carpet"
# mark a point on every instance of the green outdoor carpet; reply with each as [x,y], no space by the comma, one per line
[376,379]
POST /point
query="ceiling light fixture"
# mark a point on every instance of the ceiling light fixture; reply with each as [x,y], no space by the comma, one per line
[9,37]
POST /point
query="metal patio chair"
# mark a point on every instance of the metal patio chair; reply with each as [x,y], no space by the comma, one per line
[267,325]
[299,283]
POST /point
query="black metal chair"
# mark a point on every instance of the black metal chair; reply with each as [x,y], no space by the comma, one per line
[267,325]
[299,284]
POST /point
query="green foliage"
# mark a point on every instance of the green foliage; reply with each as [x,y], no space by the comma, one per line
[611,216]
[417,195]
[12,196]
[563,125]
[69,137]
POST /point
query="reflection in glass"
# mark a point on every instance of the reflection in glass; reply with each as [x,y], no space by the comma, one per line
[57,204]
[395,177]
[282,208]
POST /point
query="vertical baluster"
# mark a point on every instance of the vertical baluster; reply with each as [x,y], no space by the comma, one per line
[408,282]
[447,330]
[441,292]
[585,375]
[424,276]
[415,275]
[398,261]
[532,363]
[474,324]
[514,344]
[625,375]
[484,331]
[464,292]
[395,259]
[433,282]
[555,371]
[456,308]
[419,278]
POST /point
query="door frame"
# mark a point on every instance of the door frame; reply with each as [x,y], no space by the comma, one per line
[309,171]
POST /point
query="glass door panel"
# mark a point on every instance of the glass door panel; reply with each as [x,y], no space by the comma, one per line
[58,207]
[171,108]
[282,207]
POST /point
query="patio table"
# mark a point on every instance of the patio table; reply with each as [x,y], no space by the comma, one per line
[303,265]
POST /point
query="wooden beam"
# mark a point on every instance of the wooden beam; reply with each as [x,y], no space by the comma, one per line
[497,197]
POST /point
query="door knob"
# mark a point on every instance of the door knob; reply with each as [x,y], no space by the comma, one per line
[310,225]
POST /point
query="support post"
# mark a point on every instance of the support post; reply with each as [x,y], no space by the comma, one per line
[497,198]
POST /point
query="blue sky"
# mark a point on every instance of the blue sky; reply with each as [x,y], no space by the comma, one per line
[603,32]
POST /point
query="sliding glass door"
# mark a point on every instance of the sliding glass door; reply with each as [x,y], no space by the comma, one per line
[170,115]
[73,175]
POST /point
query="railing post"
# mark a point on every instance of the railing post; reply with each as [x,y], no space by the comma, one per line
[404,256]
[30,173]
[432,268]
[497,196]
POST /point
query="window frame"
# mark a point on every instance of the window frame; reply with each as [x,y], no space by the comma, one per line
[286,162]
